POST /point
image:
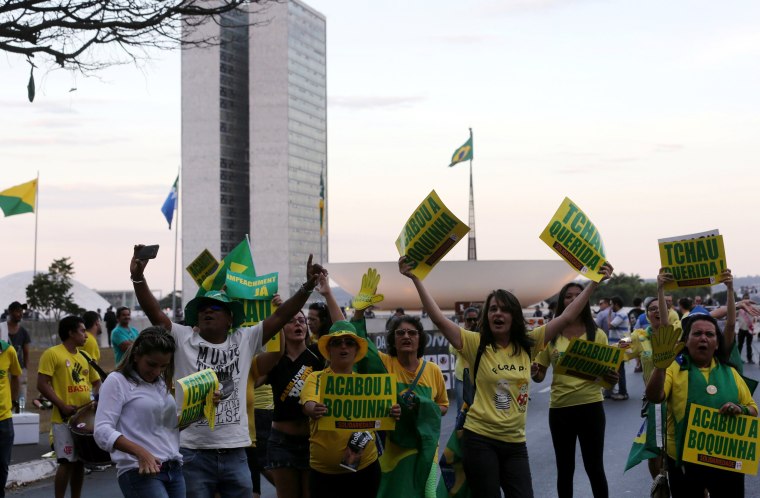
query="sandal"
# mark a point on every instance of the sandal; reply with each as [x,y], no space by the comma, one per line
[619,397]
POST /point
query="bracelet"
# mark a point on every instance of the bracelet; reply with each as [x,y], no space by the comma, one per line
[305,289]
[137,281]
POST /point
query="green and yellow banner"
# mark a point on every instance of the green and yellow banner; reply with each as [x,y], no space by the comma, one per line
[19,199]
[357,402]
[573,236]
[721,441]
[695,260]
[590,361]
[194,396]
[202,267]
[429,234]
[259,288]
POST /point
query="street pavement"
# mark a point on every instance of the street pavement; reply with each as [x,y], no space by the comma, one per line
[623,421]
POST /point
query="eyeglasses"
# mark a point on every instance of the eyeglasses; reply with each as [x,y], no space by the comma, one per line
[653,308]
[343,342]
[300,321]
[406,332]
[212,307]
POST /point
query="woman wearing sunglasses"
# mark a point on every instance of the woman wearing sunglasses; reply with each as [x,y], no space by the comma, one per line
[494,451]
[286,371]
[342,348]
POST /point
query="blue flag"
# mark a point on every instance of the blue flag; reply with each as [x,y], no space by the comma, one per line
[170,203]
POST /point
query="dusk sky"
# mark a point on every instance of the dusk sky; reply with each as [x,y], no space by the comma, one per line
[645,113]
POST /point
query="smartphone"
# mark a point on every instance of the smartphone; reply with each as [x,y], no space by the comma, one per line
[147,252]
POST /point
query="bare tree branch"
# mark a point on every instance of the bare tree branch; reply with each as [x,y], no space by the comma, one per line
[67,32]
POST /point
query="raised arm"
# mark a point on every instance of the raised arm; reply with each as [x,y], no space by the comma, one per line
[323,287]
[574,309]
[729,330]
[289,308]
[145,297]
[449,329]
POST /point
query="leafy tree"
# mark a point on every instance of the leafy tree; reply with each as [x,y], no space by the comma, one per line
[166,301]
[50,293]
[74,33]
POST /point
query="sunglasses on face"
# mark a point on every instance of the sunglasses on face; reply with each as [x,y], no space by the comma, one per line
[212,307]
[406,332]
[343,342]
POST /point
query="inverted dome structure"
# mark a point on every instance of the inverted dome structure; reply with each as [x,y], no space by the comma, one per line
[451,281]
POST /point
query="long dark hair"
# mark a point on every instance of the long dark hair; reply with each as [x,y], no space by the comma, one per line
[151,340]
[588,320]
[414,322]
[721,354]
[324,318]
[518,333]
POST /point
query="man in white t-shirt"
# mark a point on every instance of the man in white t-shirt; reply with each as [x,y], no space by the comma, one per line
[215,462]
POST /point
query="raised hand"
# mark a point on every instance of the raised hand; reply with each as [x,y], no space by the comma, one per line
[137,266]
[368,295]
[666,345]
[405,268]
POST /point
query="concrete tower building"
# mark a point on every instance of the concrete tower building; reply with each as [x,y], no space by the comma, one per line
[254,140]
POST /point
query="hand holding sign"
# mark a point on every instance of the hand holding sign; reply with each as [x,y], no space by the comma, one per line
[665,345]
[368,295]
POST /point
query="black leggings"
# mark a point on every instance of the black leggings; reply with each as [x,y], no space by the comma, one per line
[586,424]
[490,464]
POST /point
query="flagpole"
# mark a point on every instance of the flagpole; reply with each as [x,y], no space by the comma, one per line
[472,253]
[176,238]
[36,197]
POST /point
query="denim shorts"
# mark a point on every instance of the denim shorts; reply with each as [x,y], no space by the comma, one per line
[287,451]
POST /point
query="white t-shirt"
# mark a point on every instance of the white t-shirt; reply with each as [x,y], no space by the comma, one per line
[231,361]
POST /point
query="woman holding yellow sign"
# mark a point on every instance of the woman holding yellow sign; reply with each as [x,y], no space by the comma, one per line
[702,381]
[343,463]
[576,411]
[494,451]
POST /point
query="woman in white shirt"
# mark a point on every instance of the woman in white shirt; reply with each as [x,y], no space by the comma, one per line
[136,419]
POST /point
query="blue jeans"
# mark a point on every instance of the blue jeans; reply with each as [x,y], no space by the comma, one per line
[216,470]
[6,444]
[168,483]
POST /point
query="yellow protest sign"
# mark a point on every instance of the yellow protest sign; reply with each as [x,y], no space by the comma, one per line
[695,260]
[429,234]
[195,398]
[590,361]
[202,266]
[357,402]
[721,441]
[573,236]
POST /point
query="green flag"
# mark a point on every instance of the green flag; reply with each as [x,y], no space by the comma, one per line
[644,444]
[453,483]
[463,153]
[239,260]
[19,199]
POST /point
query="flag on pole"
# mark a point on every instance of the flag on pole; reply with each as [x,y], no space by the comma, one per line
[170,203]
[463,153]
[238,260]
[19,199]
[321,204]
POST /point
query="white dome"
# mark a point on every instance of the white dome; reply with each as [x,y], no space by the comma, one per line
[13,288]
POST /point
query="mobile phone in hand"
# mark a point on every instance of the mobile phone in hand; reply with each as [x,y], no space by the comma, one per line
[147,252]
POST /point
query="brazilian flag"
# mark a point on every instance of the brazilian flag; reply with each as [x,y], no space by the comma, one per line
[463,153]
[453,483]
[645,443]
[19,199]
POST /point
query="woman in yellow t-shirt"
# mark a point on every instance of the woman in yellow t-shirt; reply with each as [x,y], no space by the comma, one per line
[494,451]
[576,411]
[343,463]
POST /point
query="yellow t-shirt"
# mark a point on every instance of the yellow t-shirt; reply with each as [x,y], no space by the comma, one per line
[566,389]
[677,389]
[9,365]
[71,376]
[673,316]
[91,347]
[503,378]
[431,377]
[327,447]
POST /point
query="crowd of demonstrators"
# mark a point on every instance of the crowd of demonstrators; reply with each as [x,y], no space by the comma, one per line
[576,411]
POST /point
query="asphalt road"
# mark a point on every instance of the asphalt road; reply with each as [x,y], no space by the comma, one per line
[623,421]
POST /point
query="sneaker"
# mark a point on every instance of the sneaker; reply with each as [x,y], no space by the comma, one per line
[619,397]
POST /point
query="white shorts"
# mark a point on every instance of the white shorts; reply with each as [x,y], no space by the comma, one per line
[63,444]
